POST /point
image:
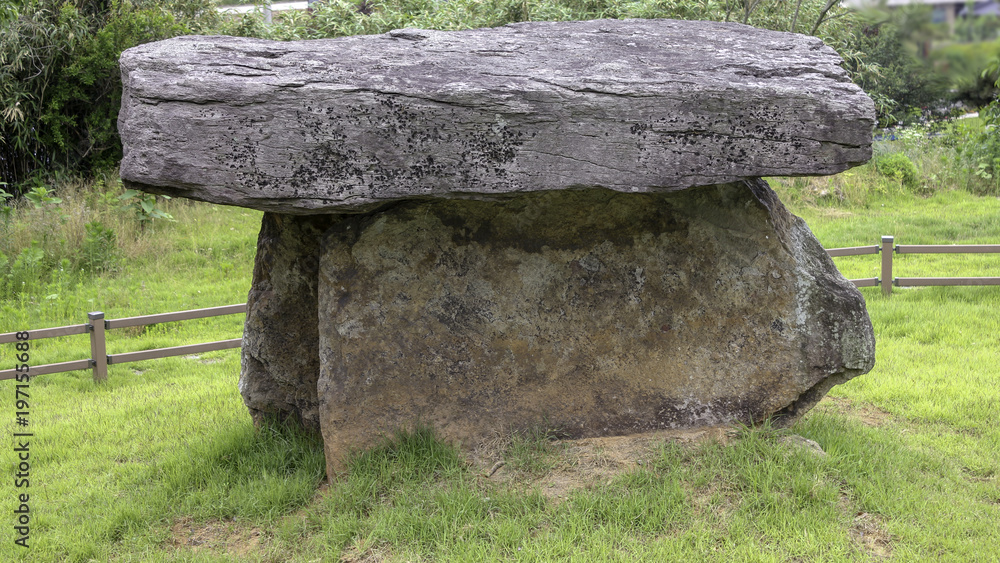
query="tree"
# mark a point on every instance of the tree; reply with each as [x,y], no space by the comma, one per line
[60,86]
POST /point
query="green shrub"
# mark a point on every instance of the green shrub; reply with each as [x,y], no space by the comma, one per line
[99,251]
[980,28]
[23,272]
[980,150]
[60,86]
[145,206]
[40,196]
[882,63]
[5,208]
[899,167]
[50,245]
[963,65]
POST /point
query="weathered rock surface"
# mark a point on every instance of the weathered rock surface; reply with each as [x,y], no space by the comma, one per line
[351,123]
[551,224]
[280,361]
[593,312]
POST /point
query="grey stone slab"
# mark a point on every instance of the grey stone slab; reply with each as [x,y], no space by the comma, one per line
[352,123]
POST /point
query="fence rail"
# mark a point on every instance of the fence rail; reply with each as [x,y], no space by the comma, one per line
[97,327]
[888,250]
[947,248]
[853,250]
[47,333]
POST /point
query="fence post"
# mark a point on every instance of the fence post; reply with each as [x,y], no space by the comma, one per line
[98,349]
[887,251]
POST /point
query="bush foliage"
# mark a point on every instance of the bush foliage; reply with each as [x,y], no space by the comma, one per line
[50,244]
[963,64]
[60,87]
[981,150]
[899,167]
[890,74]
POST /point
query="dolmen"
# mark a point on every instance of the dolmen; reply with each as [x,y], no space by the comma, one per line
[543,224]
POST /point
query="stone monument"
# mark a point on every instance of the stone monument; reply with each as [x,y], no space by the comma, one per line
[543,223]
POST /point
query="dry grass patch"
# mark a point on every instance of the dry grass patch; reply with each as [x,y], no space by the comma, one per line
[362,552]
[867,414]
[584,463]
[869,535]
[218,536]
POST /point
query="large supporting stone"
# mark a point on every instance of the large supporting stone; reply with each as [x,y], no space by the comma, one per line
[593,312]
[552,224]
[280,361]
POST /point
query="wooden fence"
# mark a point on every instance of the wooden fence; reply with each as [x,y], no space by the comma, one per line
[888,250]
[98,325]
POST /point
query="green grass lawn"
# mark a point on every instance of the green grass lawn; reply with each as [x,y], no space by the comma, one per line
[162,462]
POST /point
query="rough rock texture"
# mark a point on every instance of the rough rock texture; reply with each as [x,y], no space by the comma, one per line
[280,361]
[590,311]
[347,124]
[551,224]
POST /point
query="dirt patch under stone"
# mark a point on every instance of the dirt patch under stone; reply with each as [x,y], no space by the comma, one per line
[216,536]
[586,462]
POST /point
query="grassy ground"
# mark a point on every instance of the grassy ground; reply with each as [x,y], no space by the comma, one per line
[203,259]
[162,463]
